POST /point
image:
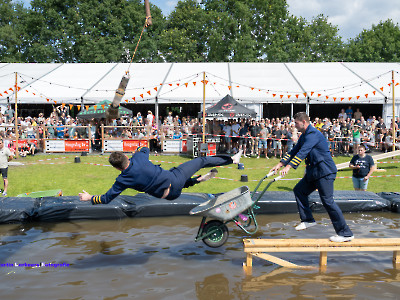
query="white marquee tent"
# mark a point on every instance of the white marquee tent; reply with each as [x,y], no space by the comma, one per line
[250,83]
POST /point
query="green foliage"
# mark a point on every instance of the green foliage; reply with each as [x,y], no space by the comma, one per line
[206,31]
[379,44]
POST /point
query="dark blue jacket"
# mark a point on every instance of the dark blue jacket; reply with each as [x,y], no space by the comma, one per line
[140,175]
[314,149]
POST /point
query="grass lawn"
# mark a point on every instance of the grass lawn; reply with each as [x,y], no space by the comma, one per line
[51,171]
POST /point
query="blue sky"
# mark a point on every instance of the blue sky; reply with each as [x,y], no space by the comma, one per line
[351,16]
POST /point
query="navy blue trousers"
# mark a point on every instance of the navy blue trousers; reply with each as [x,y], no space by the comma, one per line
[325,189]
[181,177]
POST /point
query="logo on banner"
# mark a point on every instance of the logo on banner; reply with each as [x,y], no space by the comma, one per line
[227,106]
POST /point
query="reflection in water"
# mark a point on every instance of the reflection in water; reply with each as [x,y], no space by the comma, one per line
[157,258]
[213,287]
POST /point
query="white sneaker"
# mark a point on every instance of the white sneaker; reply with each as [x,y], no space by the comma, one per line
[208,176]
[305,225]
[236,157]
[4,193]
[341,239]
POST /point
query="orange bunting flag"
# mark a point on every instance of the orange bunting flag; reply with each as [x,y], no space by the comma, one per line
[297,96]
[305,95]
[95,107]
[366,95]
[55,102]
[186,84]
[155,89]
[374,92]
[358,97]
[194,83]
[148,92]
[229,87]
[273,95]
[11,89]
[102,106]
[281,96]
[70,106]
[252,88]
[178,84]
[237,86]
[47,99]
[25,91]
[134,98]
[350,98]
[79,107]
[288,96]
[389,84]
[18,88]
[312,93]
[1,95]
[62,105]
[334,98]
[341,99]
[396,84]
[141,95]
[319,95]
[126,100]
[381,89]
[5,92]
[87,107]
[327,97]
[170,84]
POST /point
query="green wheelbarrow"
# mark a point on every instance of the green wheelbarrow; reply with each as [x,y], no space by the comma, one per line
[234,206]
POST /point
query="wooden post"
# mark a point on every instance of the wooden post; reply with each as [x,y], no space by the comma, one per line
[102,138]
[396,258]
[16,116]
[204,107]
[323,260]
[393,118]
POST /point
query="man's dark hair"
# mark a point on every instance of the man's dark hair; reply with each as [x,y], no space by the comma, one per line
[301,116]
[363,146]
[118,160]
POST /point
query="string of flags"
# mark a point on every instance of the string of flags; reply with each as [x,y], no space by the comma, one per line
[279,95]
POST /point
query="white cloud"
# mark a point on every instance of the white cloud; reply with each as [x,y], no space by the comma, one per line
[351,16]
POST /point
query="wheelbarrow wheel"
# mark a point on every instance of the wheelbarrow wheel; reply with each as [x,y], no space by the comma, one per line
[217,238]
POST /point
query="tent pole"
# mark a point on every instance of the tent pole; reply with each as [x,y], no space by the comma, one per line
[16,116]
[157,114]
[204,107]
[393,115]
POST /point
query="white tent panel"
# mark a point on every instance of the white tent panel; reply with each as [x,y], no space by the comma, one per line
[190,89]
[264,82]
[27,74]
[143,78]
[332,80]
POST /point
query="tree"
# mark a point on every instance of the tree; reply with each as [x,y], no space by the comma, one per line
[379,44]
[11,31]
[90,31]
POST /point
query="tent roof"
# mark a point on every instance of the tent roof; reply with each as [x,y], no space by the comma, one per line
[183,82]
[229,108]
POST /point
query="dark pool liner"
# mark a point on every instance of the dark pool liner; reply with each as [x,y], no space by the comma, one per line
[55,209]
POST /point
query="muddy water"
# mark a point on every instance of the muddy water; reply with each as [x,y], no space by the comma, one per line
[157,258]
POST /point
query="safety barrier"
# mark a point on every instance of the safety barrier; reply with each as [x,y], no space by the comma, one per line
[259,247]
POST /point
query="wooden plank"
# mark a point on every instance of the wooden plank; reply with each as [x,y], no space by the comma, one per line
[279,261]
[275,243]
[319,249]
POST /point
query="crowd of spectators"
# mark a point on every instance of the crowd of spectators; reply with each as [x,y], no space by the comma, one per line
[259,138]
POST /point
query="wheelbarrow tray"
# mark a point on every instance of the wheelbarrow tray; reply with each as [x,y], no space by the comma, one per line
[226,206]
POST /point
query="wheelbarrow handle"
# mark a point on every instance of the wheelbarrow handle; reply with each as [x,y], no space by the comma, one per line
[270,174]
